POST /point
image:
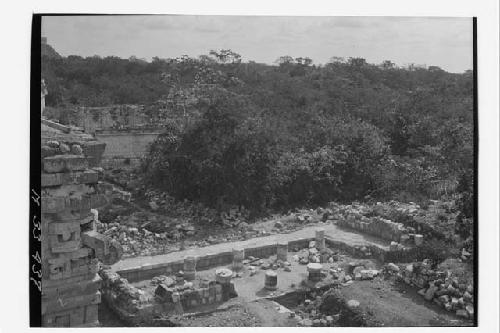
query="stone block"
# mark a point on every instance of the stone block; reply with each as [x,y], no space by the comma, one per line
[50,205]
[67,242]
[73,289]
[78,177]
[164,293]
[63,163]
[46,283]
[470,311]
[63,268]
[81,316]
[462,313]
[50,305]
[429,294]
[91,314]
[80,205]
[93,151]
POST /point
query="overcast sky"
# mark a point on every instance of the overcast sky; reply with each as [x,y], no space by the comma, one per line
[444,42]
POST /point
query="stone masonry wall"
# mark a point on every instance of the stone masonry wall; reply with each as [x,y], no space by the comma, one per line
[127,143]
[134,307]
[70,245]
[375,226]
[210,260]
[91,119]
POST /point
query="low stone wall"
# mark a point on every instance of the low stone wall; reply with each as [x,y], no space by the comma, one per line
[127,143]
[375,226]
[369,251]
[120,162]
[210,260]
[134,307]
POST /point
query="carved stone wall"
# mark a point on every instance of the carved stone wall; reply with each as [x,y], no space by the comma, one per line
[71,248]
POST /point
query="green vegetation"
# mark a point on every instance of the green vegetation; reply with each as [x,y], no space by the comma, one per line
[293,134]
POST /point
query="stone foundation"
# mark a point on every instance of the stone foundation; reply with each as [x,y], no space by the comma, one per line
[134,307]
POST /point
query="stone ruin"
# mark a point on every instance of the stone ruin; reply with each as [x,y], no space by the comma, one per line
[71,247]
[172,295]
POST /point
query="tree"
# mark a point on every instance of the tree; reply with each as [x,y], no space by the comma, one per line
[226,56]
[337,60]
[356,62]
[284,60]
[387,64]
[303,61]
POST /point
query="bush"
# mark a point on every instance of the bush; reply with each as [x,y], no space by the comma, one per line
[312,178]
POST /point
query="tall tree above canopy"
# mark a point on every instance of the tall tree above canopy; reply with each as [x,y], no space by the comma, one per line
[226,56]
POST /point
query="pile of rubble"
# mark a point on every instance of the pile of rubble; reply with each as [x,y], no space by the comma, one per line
[253,264]
[329,310]
[150,234]
[453,293]
[143,233]
[136,241]
[435,221]
[358,217]
[164,296]
[316,254]
[163,203]
[181,294]
[119,292]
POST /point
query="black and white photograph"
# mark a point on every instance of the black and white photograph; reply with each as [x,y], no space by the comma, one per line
[211,170]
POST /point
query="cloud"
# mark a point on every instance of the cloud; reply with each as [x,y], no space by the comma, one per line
[263,38]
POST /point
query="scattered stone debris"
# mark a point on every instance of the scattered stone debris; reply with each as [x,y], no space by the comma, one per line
[454,294]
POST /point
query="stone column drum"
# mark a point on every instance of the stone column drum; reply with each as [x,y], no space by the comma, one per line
[320,239]
[271,280]
[314,272]
[282,251]
[223,275]
[238,256]
[189,268]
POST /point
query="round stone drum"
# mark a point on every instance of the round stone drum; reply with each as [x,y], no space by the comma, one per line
[282,251]
[189,268]
[223,275]
[238,257]
[314,270]
[271,281]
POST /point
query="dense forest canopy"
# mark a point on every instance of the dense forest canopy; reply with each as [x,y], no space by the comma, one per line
[292,133]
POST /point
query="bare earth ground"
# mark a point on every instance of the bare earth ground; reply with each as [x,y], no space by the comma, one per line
[260,313]
[396,304]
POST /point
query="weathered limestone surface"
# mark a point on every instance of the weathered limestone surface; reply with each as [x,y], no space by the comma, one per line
[71,248]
